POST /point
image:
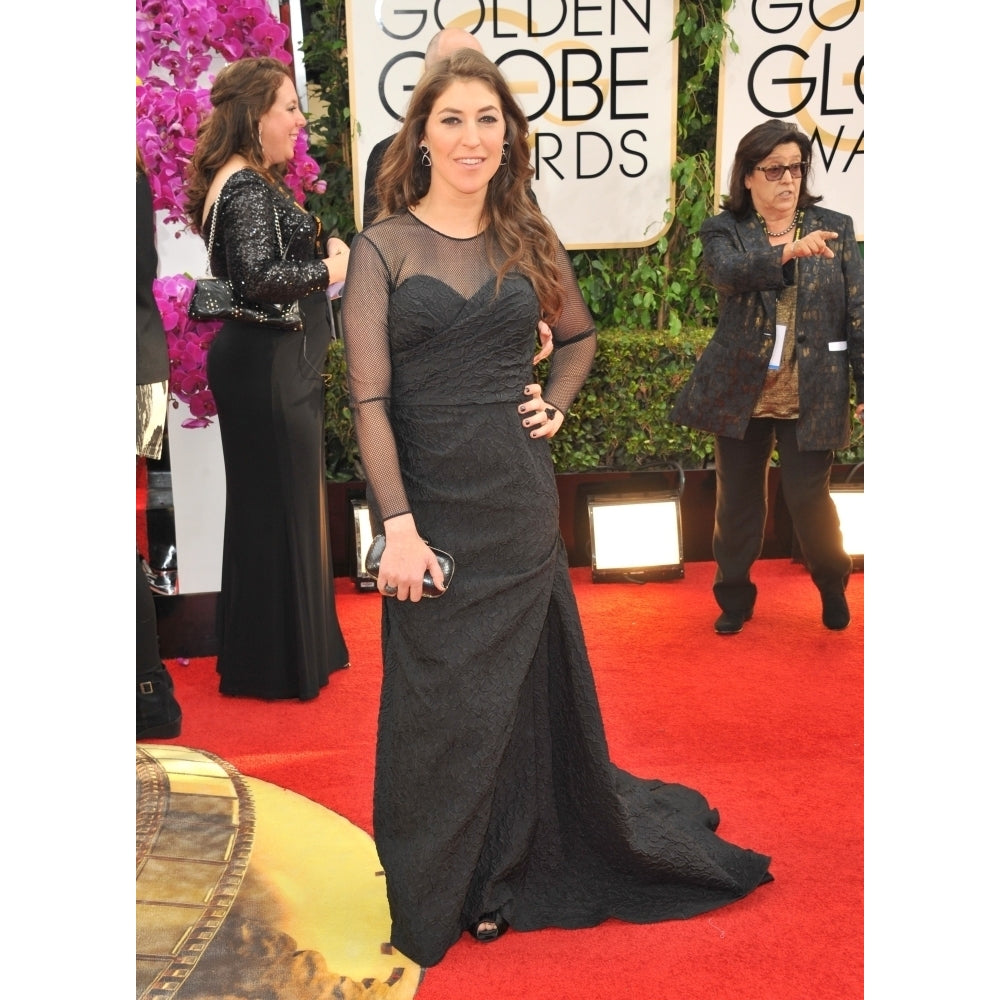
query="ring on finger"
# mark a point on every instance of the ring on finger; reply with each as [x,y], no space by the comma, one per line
[389,590]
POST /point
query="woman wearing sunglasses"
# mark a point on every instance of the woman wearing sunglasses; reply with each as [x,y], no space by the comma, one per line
[777,371]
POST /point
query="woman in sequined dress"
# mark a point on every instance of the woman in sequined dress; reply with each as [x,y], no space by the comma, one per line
[777,371]
[496,802]
[278,632]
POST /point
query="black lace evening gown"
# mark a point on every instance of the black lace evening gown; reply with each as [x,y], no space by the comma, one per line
[493,786]
[277,627]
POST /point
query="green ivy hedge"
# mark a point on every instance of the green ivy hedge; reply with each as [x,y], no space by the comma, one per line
[619,421]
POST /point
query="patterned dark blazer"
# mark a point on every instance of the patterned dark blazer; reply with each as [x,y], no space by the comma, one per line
[746,270]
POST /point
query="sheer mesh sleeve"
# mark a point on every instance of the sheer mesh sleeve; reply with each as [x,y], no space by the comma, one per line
[246,247]
[574,342]
[365,310]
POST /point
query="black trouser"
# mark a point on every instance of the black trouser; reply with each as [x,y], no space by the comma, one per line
[741,510]
[147,643]
[155,704]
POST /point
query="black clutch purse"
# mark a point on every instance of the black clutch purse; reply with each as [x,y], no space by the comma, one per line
[445,561]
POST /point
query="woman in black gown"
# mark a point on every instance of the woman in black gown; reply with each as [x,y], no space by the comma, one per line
[277,626]
[496,803]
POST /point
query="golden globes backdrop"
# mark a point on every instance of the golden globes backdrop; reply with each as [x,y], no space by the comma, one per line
[800,61]
[597,82]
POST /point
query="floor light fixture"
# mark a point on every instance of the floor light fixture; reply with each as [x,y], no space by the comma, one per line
[363,580]
[849,496]
[635,537]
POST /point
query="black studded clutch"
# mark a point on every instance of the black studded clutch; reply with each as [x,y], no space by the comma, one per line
[216,299]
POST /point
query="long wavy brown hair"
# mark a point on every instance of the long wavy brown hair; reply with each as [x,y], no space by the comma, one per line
[525,239]
[241,95]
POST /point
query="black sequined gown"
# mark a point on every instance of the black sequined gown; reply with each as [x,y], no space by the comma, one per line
[277,626]
[493,786]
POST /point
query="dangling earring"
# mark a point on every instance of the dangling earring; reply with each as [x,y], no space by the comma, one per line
[425,160]
[503,155]
[260,137]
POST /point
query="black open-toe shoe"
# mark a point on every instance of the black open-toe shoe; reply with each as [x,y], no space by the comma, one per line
[489,927]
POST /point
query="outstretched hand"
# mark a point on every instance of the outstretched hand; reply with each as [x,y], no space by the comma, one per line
[812,244]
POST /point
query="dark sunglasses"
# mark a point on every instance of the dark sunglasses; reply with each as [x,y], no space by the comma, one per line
[776,172]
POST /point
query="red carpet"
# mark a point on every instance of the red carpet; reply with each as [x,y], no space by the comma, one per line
[768,724]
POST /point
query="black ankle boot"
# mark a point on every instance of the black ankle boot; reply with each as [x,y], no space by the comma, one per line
[157,714]
[836,614]
[731,622]
[737,601]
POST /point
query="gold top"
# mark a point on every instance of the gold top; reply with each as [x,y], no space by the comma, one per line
[780,396]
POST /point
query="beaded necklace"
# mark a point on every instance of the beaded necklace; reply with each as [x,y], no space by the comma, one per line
[797,221]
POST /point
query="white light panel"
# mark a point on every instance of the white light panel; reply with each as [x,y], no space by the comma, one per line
[636,537]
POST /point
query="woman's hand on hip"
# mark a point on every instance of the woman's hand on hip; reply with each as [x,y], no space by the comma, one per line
[545,337]
[541,419]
